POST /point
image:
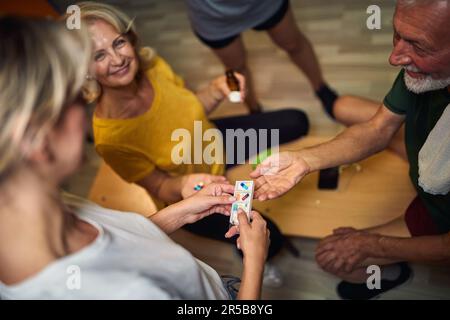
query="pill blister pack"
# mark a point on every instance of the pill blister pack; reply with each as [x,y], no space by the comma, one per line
[243,192]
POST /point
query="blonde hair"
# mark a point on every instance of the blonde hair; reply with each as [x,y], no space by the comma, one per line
[92,11]
[42,66]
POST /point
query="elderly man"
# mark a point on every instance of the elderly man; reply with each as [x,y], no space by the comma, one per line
[419,99]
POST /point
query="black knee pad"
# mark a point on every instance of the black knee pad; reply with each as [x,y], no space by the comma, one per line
[295,124]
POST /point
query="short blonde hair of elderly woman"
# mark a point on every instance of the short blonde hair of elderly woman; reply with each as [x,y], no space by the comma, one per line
[92,11]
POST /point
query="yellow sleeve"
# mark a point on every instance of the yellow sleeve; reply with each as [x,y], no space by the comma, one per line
[130,165]
[163,68]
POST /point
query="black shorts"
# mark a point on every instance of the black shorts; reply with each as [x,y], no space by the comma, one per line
[266,25]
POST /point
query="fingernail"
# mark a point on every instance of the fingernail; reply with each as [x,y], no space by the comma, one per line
[232,198]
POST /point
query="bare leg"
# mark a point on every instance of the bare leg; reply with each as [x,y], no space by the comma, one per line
[288,37]
[350,110]
[234,57]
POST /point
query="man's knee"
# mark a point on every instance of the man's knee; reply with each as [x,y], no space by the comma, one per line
[342,104]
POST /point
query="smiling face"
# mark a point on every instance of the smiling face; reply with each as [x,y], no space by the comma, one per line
[422,45]
[115,62]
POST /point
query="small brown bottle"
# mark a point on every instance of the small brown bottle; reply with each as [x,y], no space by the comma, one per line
[233,84]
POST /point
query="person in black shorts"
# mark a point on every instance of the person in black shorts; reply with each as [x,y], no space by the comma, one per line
[219,24]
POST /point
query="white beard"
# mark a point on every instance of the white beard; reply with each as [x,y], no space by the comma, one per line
[425,84]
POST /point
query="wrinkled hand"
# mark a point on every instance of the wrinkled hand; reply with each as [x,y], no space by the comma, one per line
[344,230]
[254,239]
[278,174]
[345,250]
[188,182]
[214,198]
[220,84]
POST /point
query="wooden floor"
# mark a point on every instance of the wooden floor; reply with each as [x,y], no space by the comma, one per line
[304,280]
[354,60]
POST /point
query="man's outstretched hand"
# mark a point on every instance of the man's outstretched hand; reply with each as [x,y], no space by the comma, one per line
[278,174]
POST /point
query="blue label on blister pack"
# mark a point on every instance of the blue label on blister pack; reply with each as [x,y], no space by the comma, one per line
[243,193]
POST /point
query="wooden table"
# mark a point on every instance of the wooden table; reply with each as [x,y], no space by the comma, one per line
[378,193]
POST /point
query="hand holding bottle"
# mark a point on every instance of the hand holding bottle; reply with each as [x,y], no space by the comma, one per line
[231,85]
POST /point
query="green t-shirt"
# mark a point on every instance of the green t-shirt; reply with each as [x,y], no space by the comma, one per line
[422,112]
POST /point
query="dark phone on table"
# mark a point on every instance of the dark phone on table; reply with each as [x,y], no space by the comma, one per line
[329,178]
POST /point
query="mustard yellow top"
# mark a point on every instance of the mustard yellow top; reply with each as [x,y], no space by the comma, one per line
[134,147]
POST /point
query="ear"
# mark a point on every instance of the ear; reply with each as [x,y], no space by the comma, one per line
[39,152]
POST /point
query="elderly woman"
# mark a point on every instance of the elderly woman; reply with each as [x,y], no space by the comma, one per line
[141,102]
[44,236]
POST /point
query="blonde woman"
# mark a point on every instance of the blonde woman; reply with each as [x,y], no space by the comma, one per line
[140,102]
[44,238]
